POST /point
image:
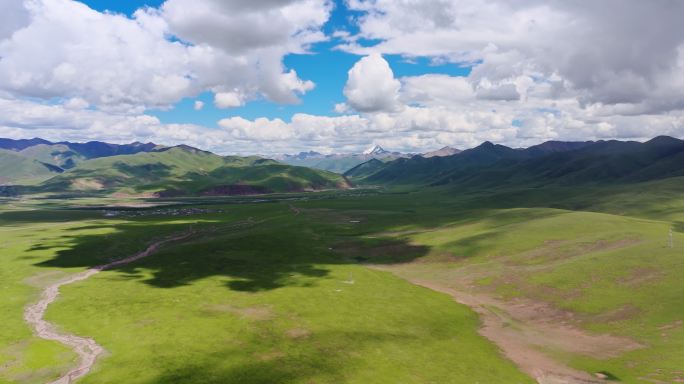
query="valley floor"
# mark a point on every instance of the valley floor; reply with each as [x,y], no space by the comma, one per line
[317,288]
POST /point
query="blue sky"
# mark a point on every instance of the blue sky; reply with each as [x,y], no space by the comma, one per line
[325,66]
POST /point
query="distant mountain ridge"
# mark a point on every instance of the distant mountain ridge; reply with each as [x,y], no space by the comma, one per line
[339,163]
[89,150]
[444,151]
[150,168]
[552,162]
[147,169]
[42,159]
[96,149]
[18,145]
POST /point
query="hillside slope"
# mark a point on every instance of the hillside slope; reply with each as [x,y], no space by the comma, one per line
[421,170]
[56,156]
[183,170]
[365,169]
[598,163]
[15,168]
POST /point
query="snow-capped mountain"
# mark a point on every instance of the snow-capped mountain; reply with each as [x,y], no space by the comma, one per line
[339,163]
[375,150]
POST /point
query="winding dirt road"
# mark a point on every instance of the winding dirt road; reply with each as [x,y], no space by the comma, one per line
[86,348]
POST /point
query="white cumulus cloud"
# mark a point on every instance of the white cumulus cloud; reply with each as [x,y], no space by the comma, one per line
[64,49]
[371,86]
[626,52]
[225,100]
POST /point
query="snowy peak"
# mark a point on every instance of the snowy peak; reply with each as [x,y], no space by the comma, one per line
[375,150]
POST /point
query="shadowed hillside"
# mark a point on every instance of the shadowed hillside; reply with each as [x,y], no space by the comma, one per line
[551,163]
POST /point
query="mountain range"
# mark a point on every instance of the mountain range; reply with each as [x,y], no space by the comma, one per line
[148,169]
[27,161]
[339,163]
[552,162]
[444,151]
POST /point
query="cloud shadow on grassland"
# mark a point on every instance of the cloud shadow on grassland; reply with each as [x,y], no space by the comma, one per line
[255,255]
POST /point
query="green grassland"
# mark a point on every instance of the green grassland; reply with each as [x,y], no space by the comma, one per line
[614,273]
[255,297]
[263,292]
[600,254]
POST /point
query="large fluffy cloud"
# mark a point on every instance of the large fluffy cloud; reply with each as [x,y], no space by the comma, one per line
[14,16]
[606,52]
[242,26]
[63,49]
[434,89]
[371,85]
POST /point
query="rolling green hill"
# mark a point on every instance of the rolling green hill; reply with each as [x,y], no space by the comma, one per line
[15,168]
[37,154]
[57,154]
[184,170]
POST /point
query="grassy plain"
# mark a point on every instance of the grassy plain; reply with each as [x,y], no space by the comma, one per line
[315,287]
[256,297]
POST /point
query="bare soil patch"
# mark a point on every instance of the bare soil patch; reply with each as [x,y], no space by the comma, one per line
[641,276]
[45,278]
[298,333]
[558,250]
[269,356]
[625,312]
[258,313]
[87,185]
[525,330]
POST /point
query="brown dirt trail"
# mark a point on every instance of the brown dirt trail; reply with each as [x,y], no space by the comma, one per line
[86,348]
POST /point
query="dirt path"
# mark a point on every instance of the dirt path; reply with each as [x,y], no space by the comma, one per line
[522,329]
[86,348]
